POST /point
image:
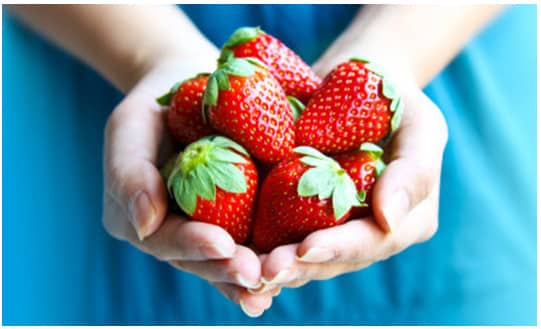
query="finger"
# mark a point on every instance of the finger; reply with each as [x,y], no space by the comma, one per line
[415,161]
[243,269]
[353,241]
[282,268]
[361,242]
[296,284]
[186,240]
[251,305]
[279,266]
[132,137]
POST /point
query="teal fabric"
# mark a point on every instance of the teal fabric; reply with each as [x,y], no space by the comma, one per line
[60,266]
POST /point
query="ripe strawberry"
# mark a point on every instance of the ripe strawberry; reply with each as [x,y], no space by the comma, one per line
[301,195]
[364,166]
[355,104]
[293,74]
[244,102]
[215,181]
[184,116]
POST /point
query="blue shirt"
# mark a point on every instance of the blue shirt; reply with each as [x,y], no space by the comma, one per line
[60,266]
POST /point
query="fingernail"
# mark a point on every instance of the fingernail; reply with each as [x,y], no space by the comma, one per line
[277,292]
[249,313]
[283,276]
[212,250]
[246,283]
[396,209]
[317,255]
[263,288]
[142,213]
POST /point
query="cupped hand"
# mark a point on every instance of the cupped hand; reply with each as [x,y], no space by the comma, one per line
[135,199]
[405,206]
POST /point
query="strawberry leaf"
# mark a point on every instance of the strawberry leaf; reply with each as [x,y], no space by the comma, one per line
[314,162]
[228,143]
[326,186]
[165,99]
[375,69]
[296,107]
[226,155]
[389,89]
[380,166]
[211,92]
[310,151]
[344,196]
[174,174]
[373,149]
[242,35]
[186,199]
[228,177]
[394,104]
[225,56]
[397,116]
[361,196]
[239,67]
[310,181]
[223,81]
[202,183]
[359,59]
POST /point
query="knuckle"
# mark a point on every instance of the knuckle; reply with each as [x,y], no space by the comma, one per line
[425,178]
[354,254]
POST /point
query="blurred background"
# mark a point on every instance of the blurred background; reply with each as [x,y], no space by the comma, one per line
[61,267]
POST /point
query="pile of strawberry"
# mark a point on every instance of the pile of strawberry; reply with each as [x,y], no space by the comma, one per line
[260,164]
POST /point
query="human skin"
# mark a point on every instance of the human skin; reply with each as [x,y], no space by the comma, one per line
[131,47]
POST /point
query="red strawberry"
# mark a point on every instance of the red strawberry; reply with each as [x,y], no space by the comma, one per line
[293,74]
[184,116]
[215,181]
[301,195]
[244,102]
[364,166]
[355,104]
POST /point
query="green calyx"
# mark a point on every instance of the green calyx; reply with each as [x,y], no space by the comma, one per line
[202,166]
[326,179]
[168,167]
[389,91]
[242,35]
[165,99]
[297,107]
[228,65]
[375,153]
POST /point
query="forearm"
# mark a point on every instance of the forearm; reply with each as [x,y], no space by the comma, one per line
[121,42]
[411,40]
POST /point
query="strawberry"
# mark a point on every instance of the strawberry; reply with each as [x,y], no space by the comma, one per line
[215,181]
[355,104]
[293,74]
[244,102]
[184,116]
[307,192]
[364,166]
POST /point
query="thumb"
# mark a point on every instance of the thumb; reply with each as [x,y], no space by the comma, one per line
[132,138]
[402,186]
[416,156]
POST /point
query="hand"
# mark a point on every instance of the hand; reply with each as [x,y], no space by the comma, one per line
[405,204]
[135,197]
